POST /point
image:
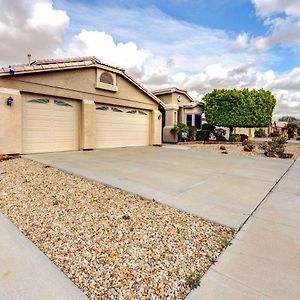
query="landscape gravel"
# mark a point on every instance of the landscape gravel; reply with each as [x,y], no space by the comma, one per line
[110,243]
[239,149]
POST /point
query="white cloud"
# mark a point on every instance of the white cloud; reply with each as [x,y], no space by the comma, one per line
[30,27]
[266,8]
[102,45]
[283,31]
[241,42]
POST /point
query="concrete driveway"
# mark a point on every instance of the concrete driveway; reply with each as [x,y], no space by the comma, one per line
[222,188]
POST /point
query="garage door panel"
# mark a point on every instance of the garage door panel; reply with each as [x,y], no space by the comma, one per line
[122,129]
[50,127]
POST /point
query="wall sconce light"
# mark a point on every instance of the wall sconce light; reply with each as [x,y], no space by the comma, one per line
[9,101]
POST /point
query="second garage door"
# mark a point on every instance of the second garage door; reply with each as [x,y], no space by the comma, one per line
[121,127]
[50,125]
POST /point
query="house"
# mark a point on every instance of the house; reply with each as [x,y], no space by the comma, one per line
[74,104]
[179,107]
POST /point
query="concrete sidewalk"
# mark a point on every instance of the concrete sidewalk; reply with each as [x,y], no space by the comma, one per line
[264,259]
[26,273]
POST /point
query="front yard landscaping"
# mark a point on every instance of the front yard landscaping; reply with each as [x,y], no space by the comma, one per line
[238,149]
[110,243]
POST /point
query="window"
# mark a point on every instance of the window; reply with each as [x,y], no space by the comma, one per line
[41,101]
[131,112]
[62,103]
[106,78]
[198,121]
[115,109]
[189,120]
[102,107]
[142,113]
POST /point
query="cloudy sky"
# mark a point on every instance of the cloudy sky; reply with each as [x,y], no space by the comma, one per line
[197,45]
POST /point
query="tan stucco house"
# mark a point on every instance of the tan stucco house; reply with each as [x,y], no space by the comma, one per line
[74,104]
[179,107]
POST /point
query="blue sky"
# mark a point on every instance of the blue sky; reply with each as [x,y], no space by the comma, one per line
[233,17]
[197,45]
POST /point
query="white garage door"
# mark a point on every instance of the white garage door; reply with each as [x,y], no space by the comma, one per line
[121,127]
[50,125]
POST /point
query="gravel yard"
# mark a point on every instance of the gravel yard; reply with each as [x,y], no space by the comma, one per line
[238,149]
[110,243]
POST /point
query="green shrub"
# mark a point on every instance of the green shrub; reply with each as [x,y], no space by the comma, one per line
[274,134]
[221,138]
[298,131]
[180,128]
[202,135]
[192,132]
[235,138]
[259,133]
[209,127]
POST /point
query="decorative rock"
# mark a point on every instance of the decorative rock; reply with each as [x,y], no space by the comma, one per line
[247,148]
[222,148]
[287,155]
[270,154]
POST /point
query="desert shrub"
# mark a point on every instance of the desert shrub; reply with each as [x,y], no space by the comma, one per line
[274,148]
[280,140]
[244,137]
[275,133]
[235,138]
[259,133]
[220,131]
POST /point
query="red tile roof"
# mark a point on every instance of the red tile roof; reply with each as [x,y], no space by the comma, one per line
[70,63]
[177,90]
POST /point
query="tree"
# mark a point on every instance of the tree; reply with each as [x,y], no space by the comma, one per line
[289,119]
[291,128]
[239,108]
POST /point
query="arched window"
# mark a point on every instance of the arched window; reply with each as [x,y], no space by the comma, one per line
[106,78]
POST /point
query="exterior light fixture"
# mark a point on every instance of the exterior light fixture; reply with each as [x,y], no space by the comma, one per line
[9,101]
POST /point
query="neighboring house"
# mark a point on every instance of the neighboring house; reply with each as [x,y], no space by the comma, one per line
[74,104]
[179,108]
[279,127]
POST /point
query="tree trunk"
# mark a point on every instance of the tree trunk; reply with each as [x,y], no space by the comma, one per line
[230,130]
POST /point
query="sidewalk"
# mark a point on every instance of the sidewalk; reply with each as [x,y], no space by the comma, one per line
[264,259]
[26,273]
